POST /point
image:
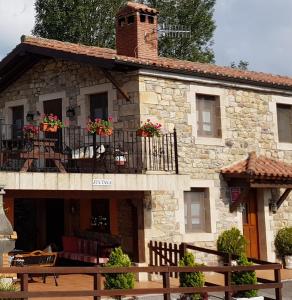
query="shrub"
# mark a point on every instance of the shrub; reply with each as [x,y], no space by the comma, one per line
[119,280]
[231,241]
[192,279]
[283,241]
[7,287]
[244,277]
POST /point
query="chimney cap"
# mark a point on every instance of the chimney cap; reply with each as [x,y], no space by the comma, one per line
[132,6]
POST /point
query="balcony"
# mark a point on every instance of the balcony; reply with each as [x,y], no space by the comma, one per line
[74,150]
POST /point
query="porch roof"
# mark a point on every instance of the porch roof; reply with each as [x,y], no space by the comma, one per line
[259,167]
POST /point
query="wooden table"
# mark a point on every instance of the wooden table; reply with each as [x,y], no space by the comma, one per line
[43,148]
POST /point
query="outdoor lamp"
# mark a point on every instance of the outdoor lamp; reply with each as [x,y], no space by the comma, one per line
[70,113]
[29,117]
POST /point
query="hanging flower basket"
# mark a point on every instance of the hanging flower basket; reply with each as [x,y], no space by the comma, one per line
[46,127]
[30,131]
[149,129]
[100,127]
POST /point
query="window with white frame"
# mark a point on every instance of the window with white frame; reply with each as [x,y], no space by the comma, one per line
[195,207]
[208,116]
[284,117]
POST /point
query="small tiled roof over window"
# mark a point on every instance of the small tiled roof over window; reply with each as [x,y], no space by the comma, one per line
[260,167]
[160,63]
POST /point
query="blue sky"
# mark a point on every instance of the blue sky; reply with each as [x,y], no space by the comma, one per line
[258,31]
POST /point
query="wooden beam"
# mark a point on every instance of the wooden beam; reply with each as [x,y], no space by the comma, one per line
[271,185]
[109,76]
[283,198]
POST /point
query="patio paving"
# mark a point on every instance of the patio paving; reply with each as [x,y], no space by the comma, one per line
[85,282]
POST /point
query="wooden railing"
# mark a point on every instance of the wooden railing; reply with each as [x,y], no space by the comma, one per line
[96,292]
[162,254]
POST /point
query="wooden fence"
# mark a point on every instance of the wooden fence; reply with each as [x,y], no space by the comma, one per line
[162,254]
[96,292]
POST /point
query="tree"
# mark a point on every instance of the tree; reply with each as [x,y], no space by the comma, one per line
[242,65]
[92,22]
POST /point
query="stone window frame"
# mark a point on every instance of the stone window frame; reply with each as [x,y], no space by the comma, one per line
[192,117]
[52,96]
[83,101]
[7,113]
[211,215]
[286,100]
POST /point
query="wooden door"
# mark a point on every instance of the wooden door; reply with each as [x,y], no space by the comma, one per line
[250,225]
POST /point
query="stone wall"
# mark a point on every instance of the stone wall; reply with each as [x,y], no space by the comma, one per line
[53,76]
[248,124]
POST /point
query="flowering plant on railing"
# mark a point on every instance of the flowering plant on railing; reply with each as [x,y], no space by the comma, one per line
[30,131]
[100,127]
[51,123]
[149,129]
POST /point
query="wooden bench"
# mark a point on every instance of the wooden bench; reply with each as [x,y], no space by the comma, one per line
[36,258]
[84,250]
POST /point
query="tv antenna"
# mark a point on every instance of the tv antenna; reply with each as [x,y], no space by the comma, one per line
[173,31]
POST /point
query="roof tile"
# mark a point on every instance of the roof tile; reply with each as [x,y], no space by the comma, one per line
[162,62]
[260,166]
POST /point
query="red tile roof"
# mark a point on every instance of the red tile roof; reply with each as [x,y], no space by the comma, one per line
[260,166]
[162,63]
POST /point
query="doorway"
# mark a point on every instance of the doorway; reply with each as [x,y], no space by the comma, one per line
[38,223]
[17,122]
[250,225]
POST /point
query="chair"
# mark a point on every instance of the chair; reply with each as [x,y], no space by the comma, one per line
[36,258]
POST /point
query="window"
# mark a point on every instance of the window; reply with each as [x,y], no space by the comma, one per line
[284,116]
[122,21]
[99,106]
[131,19]
[151,20]
[142,18]
[208,116]
[194,201]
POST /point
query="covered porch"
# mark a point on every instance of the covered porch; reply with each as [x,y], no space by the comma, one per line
[43,218]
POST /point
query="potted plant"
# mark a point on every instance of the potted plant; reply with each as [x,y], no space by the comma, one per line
[118,280]
[283,244]
[232,242]
[50,123]
[245,277]
[100,127]
[149,129]
[30,131]
[191,279]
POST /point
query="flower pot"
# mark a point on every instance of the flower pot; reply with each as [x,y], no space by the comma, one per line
[288,262]
[143,133]
[102,132]
[120,160]
[46,127]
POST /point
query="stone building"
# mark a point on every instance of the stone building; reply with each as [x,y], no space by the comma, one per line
[222,160]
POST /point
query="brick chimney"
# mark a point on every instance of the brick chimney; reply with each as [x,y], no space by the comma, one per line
[136,31]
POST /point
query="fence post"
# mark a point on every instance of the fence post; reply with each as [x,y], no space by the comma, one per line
[175,151]
[97,284]
[227,282]
[182,250]
[24,284]
[278,291]
[166,285]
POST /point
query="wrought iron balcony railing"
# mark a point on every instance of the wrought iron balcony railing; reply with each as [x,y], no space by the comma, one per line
[75,150]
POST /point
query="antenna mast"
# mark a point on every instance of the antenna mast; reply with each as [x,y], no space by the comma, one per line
[173,31]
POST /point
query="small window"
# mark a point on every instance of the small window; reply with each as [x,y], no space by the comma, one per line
[150,19]
[194,210]
[208,116]
[99,106]
[122,21]
[131,19]
[142,18]
[284,116]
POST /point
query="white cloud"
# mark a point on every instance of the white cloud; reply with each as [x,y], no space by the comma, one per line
[16,19]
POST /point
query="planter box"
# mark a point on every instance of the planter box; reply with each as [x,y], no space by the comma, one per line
[288,262]
[252,298]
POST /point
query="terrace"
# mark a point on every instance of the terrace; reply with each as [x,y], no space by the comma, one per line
[75,150]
